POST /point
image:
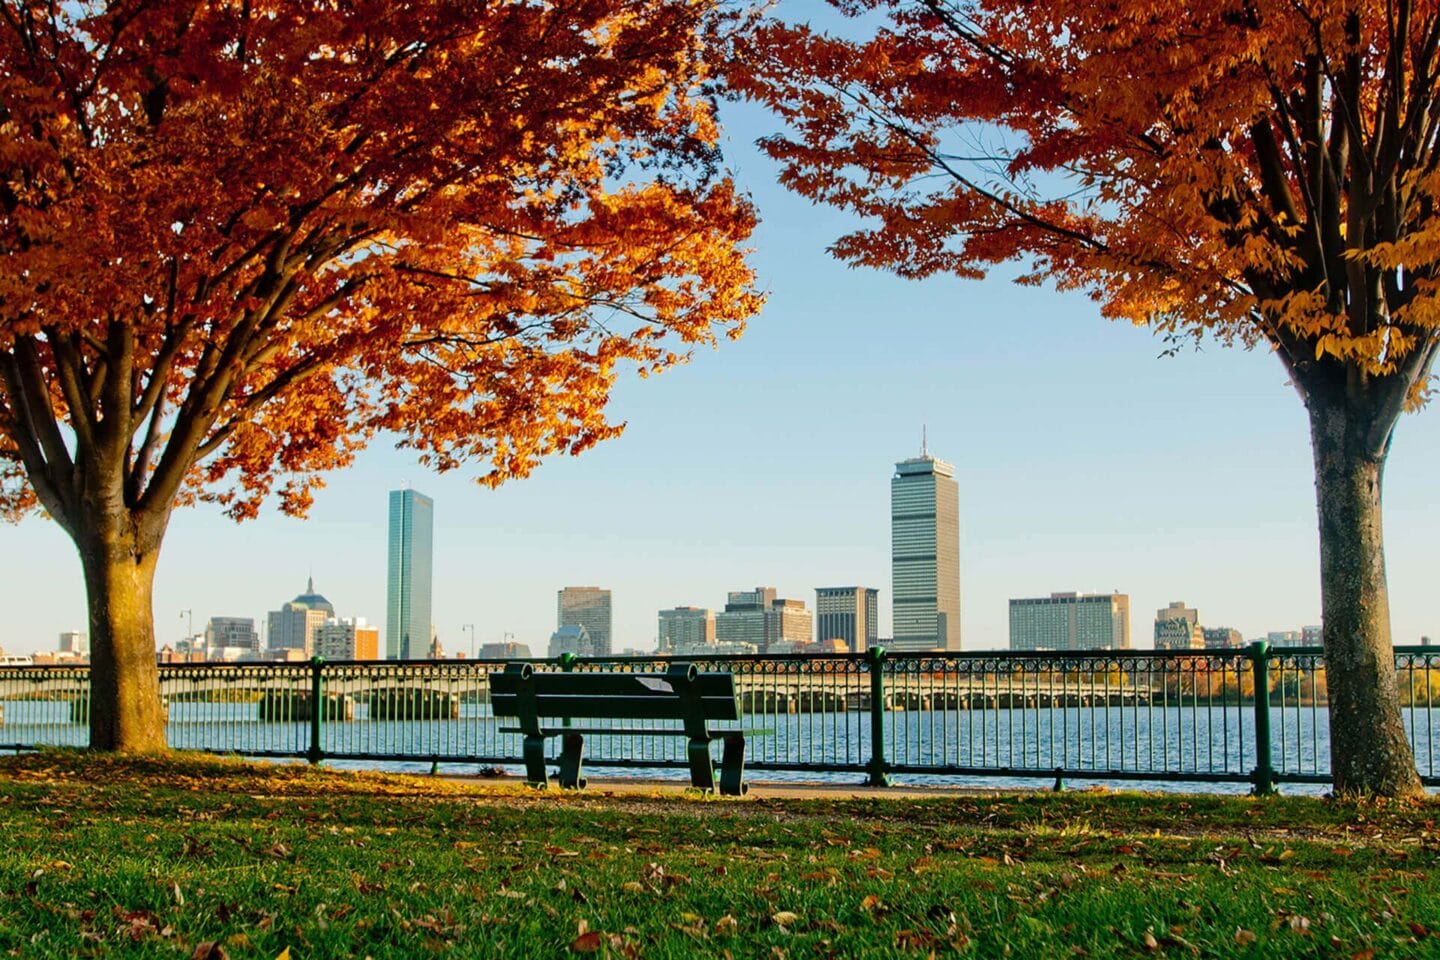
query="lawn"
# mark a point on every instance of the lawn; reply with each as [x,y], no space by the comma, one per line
[197,857]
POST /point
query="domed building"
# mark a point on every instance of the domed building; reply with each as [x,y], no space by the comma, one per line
[293,626]
[313,600]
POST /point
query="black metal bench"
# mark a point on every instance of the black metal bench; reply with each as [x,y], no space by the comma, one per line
[680,693]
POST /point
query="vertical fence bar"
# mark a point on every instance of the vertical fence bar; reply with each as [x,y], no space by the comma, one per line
[317,708]
[875,656]
[1264,775]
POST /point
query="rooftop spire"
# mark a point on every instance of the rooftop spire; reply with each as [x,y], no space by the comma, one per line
[310,585]
[924,442]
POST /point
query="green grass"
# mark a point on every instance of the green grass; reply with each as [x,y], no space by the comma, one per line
[105,857]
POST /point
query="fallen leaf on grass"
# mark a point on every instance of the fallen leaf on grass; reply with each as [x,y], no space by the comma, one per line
[870,904]
[784,918]
[727,926]
[588,942]
[209,950]
[1243,936]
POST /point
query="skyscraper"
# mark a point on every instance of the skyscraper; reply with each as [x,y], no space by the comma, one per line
[925,554]
[851,614]
[407,584]
[587,607]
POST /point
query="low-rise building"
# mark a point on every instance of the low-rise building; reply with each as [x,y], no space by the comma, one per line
[1223,638]
[572,639]
[509,650]
[232,633]
[350,638]
[686,627]
[1177,627]
[1071,621]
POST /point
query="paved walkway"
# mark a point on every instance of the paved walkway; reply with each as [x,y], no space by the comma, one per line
[600,784]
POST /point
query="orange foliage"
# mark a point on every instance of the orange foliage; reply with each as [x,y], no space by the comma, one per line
[1264,172]
[238,239]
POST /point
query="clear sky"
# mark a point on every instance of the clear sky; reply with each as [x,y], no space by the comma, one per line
[1085,462]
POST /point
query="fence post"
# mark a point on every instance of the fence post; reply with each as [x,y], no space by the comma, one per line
[1264,774]
[875,656]
[317,708]
[568,661]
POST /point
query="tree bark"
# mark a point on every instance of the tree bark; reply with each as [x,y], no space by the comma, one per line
[126,714]
[1370,754]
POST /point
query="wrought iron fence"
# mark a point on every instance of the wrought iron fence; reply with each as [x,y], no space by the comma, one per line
[1136,715]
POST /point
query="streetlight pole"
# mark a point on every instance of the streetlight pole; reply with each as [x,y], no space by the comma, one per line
[471,628]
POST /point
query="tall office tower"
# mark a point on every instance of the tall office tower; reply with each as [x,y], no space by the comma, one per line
[684,628]
[587,607]
[407,583]
[851,614]
[236,636]
[1070,621]
[1177,627]
[925,554]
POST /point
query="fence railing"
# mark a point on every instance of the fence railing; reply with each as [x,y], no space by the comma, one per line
[1135,715]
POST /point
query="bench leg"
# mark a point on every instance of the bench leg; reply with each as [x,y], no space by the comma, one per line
[572,754]
[702,770]
[732,767]
[535,762]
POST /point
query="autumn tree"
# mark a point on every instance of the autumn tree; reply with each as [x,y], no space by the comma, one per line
[1263,173]
[240,238]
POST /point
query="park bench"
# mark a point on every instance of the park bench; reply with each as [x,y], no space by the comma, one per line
[680,693]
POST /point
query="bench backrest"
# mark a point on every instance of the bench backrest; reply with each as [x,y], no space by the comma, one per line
[621,696]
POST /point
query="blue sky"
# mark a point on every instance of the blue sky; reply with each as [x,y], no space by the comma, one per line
[1085,461]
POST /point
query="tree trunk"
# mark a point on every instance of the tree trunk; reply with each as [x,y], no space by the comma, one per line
[126,714]
[1369,752]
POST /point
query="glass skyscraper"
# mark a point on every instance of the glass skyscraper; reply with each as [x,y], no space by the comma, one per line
[407,584]
[925,554]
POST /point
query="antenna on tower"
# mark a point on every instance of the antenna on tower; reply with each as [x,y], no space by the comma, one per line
[924,442]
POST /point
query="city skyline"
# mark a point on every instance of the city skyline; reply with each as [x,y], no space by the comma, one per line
[765,461]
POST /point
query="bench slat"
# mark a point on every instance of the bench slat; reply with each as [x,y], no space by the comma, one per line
[619,707]
[613,684]
[625,732]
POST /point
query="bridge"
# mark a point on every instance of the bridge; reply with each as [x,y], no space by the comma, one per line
[405,693]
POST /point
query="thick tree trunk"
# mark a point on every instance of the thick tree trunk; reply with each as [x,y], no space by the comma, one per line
[1369,752]
[126,714]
